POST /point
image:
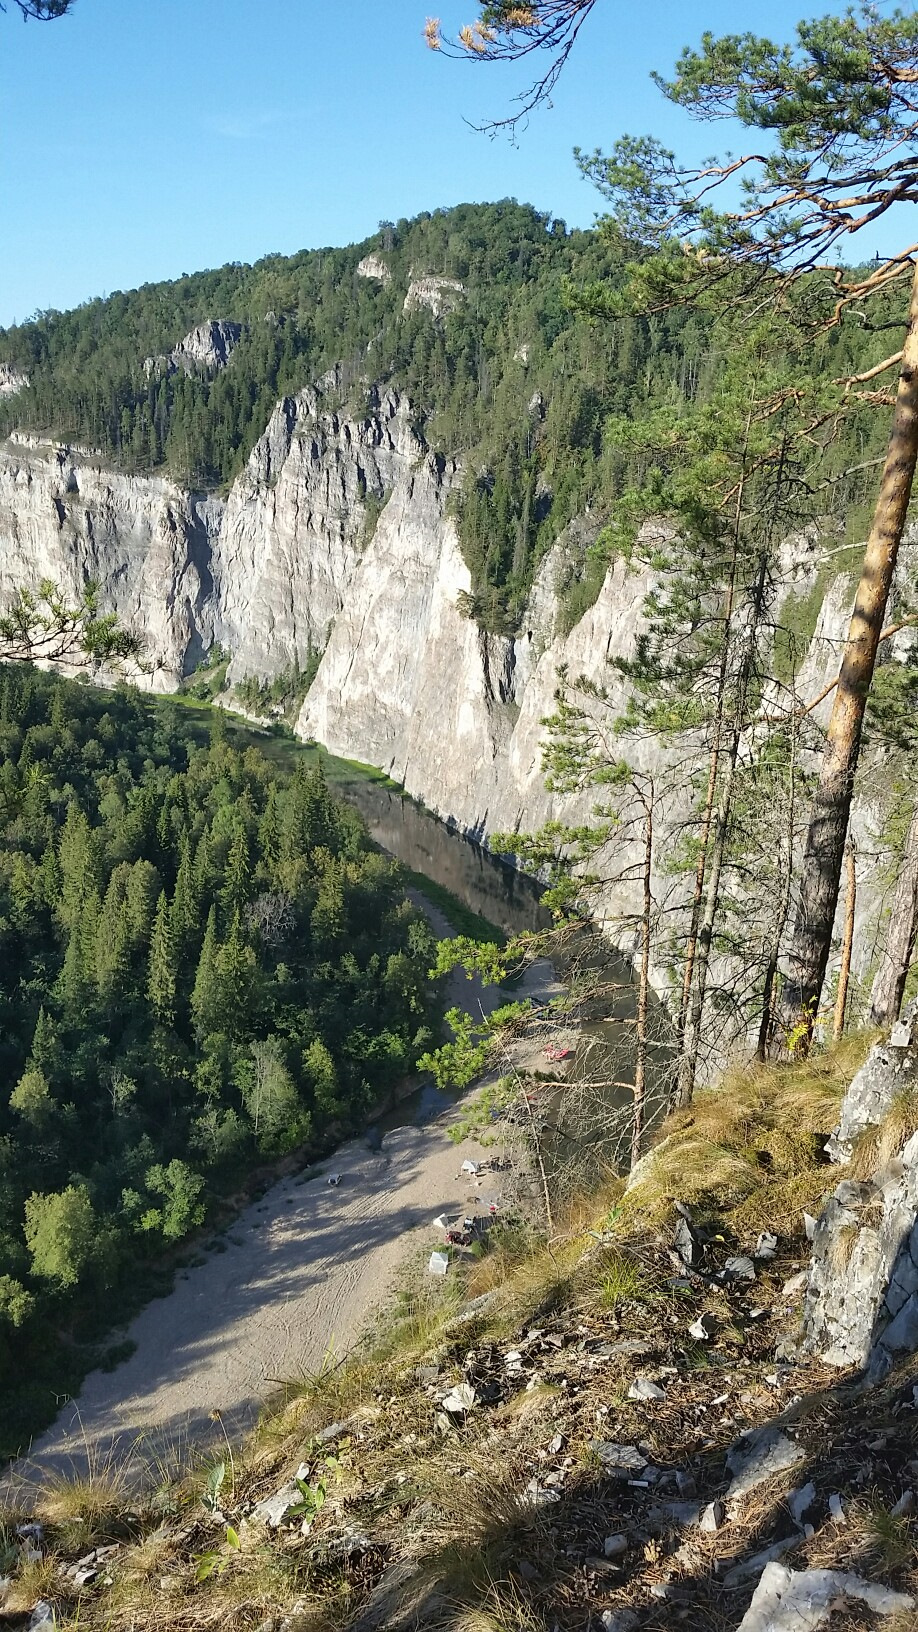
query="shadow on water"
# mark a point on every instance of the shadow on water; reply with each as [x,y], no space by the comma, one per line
[592,1112]
[426,845]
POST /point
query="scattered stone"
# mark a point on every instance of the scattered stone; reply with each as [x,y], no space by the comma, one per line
[758,1455]
[809,1225]
[340,1548]
[540,1495]
[712,1518]
[800,1501]
[739,1269]
[686,1485]
[681,1513]
[615,1546]
[618,1460]
[618,1620]
[787,1348]
[643,1389]
[803,1600]
[749,1567]
[703,1329]
[274,1509]
[333,1431]
[904,1506]
[684,1242]
[836,1510]
[557,1444]
[428,1374]
[43,1618]
[460,1399]
[766,1246]
[795,1285]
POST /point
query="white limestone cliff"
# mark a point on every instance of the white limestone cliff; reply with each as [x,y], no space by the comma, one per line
[373,266]
[297,520]
[439,294]
[338,537]
[11,380]
[145,541]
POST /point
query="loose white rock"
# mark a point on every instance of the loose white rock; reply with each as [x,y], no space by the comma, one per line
[460,1399]
[643,1389]
[803,1600]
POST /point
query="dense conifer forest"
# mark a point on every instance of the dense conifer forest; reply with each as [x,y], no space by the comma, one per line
[204,965]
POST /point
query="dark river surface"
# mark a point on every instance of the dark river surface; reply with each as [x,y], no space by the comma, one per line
[425,844]
[592,1114]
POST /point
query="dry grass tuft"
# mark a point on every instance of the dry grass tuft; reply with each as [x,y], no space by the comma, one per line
[503,1609]
[748,1147]
[34,1579]
[487,1526]
[536,1285]
[101,1502]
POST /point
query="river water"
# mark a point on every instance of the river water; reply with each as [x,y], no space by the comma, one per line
[591,1116]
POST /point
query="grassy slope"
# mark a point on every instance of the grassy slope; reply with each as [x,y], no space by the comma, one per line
[428,1523]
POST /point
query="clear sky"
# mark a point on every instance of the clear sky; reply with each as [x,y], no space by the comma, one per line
[146,138]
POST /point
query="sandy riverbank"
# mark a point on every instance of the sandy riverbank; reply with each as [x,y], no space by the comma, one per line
[294,1280]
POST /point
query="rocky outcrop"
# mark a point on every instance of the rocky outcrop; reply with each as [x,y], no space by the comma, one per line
[205,350]
[862,1290]
[11,380]
[373,266]
[439,295]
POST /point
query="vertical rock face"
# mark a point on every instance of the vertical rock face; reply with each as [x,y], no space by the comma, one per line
[299,519]
[440,295]
[11,381]
[338,537]
[145,541]
[373,266]
[862,1292]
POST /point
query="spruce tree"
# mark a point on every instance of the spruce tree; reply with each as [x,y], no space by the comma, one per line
[163,975]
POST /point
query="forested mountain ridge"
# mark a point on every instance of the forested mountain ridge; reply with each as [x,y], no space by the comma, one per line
[204,965]
[527,392]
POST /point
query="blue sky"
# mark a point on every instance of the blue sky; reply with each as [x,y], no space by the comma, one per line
[146,138]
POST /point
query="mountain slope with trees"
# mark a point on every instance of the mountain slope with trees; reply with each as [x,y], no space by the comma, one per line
[517,379]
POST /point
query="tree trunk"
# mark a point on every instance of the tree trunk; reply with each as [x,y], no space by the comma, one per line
[769,990]
[688,1060]
[691,945]
[844,973]
[889,982]
[643,1003]
[822,862]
